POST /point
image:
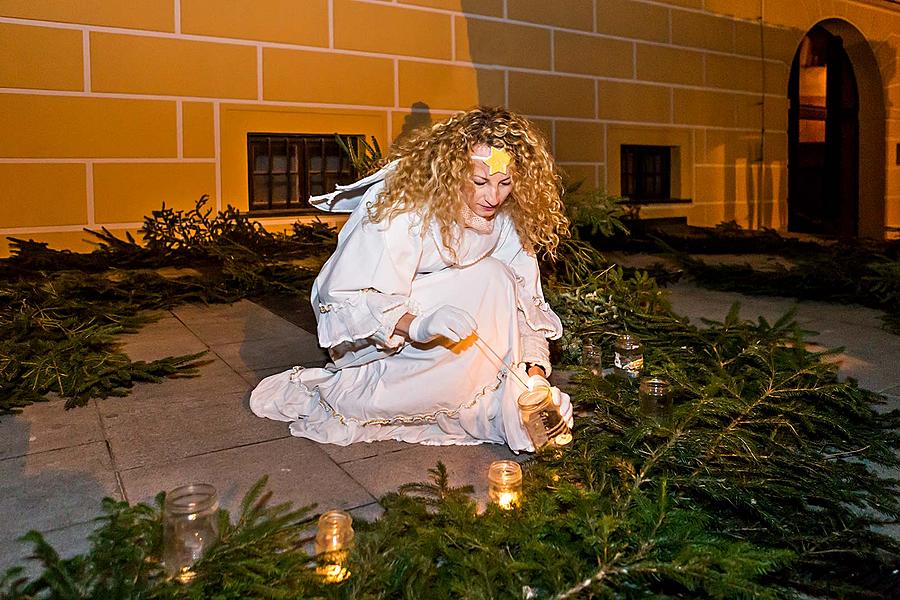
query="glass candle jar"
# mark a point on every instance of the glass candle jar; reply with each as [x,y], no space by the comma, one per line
[505,483]
[590,359]
[334,539]
[543,422]
[654,396]
[629,356]
[190,527]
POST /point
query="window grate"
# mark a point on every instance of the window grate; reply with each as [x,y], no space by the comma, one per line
[286,169]
[646,172]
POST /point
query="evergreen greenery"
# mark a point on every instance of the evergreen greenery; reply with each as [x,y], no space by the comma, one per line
[60,311]
[761,482]
[859,271]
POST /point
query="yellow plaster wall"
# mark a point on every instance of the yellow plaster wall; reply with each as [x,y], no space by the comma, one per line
[108,108]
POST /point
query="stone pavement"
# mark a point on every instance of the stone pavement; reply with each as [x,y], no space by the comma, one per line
[56,465]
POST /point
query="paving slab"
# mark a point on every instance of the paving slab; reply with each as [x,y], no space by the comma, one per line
[228,323]
[466,465]
[215,379]
[55,489]
[342,454]
[163,338]
[162,432]
[299,471]
[697,303]
[67,541]
[296,348]
[47,426]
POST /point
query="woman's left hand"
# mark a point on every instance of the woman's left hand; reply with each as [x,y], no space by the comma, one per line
[562,400]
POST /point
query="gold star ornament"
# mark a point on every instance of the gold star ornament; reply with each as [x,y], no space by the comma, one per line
[497,161]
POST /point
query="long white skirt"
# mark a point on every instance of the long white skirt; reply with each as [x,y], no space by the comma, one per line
[436,393]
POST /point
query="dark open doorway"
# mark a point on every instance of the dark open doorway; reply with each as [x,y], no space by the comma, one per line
[823,159]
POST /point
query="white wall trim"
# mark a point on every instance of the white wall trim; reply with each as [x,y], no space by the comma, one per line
[217,137]
[86,58]
[89,191]
[179,128]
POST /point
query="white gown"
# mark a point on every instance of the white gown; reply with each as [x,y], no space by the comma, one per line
[378,386]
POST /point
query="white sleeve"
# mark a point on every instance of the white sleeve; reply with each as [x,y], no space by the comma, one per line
[538,322]
[363,290]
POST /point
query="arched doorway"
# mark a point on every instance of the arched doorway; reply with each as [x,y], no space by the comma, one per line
[823,138]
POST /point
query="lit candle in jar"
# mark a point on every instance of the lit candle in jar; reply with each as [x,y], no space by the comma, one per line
[505,483]
[333,542]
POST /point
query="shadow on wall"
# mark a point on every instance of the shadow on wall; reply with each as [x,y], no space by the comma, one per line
[741,166]
[418,118]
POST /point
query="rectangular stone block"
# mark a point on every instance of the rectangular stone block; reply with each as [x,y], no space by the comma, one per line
[34,195]
[331,78]
[41,58]
[448,87]
[579,141]
[725,147]
[571,14]
[683,3]
[669,65]
[156,15]
[45,426]
[626,18]
[55,489]
[699,107]
[493,8]
[499,43]
[742,9]
[285,21]
[733,73]
[391,30]
[551,95]
[593,55]
[404,122]
[634,102]
[197,126]
[579,174]
[299,472]
[749,111]
[146,65]
[747,38]
[777,75]
[776,116]
[702,31]
[67,127]
[125,193]
[776,147]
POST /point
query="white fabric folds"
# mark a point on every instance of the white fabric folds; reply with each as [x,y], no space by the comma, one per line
[379,386]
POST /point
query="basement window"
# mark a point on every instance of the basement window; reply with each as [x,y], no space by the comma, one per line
[286,169]
[646,173]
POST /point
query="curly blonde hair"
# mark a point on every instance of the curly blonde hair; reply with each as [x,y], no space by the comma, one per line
[435,163]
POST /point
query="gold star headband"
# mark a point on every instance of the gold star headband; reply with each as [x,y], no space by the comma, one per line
[498,160]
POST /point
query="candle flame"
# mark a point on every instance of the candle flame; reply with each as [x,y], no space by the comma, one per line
[333,573]
[506,500]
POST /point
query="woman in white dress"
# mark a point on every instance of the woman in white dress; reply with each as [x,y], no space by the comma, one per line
[433,293]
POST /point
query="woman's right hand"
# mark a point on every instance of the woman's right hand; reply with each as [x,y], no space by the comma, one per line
[447,321]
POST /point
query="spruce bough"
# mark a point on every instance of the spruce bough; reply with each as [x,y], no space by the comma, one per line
[759,484]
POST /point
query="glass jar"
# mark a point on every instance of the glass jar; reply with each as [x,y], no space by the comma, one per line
[505,483]
[629,356]
[334,539]
[543,422]
[590,359]
[190,527]
[654,396]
